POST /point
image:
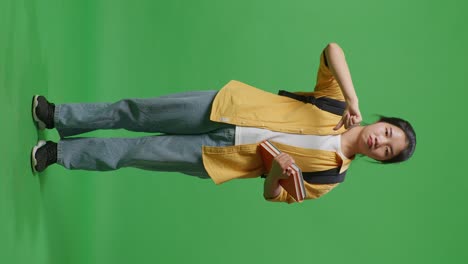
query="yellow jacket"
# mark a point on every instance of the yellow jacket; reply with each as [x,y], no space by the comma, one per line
[243,105]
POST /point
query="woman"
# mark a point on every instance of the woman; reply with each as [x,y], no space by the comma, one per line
[215,135]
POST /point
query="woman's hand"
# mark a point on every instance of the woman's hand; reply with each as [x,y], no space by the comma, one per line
[280,167]
[279,170]
[351,116]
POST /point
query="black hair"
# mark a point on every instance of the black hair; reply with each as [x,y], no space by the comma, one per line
[410,138]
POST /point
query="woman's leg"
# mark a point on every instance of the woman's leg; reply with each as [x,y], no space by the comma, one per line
[183,113]
[180,153]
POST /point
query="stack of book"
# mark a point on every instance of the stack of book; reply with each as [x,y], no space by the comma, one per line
[294,185]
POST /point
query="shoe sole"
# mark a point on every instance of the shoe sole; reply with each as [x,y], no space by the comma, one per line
[39,144]
[41,125]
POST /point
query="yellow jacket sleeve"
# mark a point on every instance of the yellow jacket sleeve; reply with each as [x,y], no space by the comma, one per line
[326,84]
[313,191]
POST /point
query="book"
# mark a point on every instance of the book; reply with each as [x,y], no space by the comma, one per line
[294,185]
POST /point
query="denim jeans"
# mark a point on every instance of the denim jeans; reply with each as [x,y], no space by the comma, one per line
[182,118]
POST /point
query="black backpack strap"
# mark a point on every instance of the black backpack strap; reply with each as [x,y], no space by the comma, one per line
[323,177]
[330,105]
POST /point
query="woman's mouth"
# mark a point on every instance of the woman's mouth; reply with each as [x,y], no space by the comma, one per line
[370,142]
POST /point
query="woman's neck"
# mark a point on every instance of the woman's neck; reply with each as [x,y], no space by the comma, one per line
[349,141]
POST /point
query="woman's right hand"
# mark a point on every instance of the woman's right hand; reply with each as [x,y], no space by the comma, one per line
[351,116]
[280,167]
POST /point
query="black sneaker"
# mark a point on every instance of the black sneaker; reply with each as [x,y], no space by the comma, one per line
[43,112]
[43,155]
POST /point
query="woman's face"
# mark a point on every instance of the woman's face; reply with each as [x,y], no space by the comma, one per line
[382,141]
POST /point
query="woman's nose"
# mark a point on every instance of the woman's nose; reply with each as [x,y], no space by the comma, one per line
[381,141]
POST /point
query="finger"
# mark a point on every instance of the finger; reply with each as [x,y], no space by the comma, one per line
[353,121]
[358,119]
[346,122]
[350,122]
[340,124]
[280,157]
[283,159]
[284,156]
[290,161]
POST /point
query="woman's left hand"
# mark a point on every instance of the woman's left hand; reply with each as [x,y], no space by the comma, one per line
[351,116]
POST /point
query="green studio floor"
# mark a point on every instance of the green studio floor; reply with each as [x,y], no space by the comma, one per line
[408,59]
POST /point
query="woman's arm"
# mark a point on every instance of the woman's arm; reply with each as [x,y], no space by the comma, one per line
[337,64]
[279,170]
[271,187]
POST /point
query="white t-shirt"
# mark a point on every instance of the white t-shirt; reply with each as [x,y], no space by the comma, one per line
[250,135]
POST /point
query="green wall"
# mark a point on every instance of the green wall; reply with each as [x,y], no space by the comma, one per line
[407,58]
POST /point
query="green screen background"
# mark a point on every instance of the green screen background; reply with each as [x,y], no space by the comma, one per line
[407,58]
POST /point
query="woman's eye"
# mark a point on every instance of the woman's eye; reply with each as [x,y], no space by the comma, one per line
[386,131]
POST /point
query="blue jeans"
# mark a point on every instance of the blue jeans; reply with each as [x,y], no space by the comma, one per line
[182,118]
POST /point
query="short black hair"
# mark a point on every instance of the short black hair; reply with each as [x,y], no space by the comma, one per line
[410,139]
